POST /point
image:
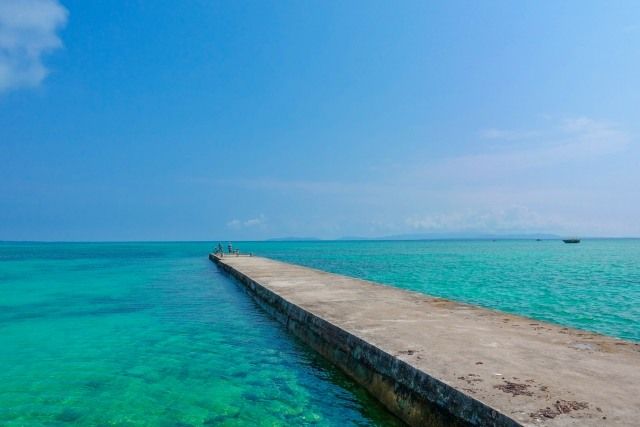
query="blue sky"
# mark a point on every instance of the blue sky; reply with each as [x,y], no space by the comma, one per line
[203,120]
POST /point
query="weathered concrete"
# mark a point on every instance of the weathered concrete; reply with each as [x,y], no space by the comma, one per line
[437,362]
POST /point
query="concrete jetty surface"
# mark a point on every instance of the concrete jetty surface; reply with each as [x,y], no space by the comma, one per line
[436,362]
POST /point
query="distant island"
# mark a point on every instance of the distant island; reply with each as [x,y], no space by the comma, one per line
[430,236]
[293,239]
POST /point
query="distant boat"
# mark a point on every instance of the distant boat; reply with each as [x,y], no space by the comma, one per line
[571,240]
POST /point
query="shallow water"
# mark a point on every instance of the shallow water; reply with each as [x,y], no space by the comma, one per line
[153,334]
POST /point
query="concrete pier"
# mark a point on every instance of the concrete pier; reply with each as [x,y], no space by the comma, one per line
[436,362]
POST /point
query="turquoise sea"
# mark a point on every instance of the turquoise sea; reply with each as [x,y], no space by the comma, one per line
[153,334]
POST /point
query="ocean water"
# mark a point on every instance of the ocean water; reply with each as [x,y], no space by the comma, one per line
[153,335]
[594,285]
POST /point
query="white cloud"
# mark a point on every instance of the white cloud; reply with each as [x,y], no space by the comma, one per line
[28,30]
[234,223]
[255,221]
[237,224]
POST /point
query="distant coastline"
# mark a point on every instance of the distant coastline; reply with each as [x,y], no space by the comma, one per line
[428,236]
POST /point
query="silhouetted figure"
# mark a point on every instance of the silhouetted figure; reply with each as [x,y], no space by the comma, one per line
[230,248]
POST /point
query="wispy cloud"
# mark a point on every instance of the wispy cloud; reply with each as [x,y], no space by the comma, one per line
[496,220]
[568,141]
[28,30]
[237,224]
[538,183]
[528,185]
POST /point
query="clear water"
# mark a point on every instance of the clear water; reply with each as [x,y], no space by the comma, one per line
[153,335]
[594,285]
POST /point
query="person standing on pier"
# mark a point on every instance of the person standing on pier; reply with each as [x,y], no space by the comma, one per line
[230,248]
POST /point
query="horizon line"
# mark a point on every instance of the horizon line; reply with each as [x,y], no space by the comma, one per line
[293,239]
